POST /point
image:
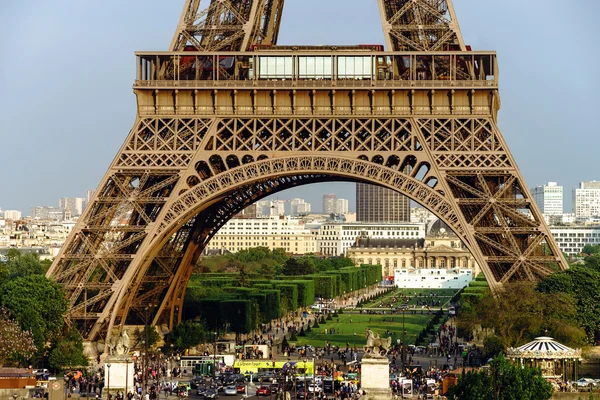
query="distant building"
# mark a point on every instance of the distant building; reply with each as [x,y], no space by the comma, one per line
[278,207]
[88,197]
[341,206]
[329,204]
[299,207]
[12,215]
[549,198]
[441,249]
[45,212]
[272,232]
[571,239]
[72,205]
[336,237]
[432,278]
[376,204]
[586,200]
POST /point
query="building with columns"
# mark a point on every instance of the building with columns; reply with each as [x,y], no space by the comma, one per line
[440,249]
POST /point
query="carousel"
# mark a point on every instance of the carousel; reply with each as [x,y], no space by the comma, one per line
[556,361]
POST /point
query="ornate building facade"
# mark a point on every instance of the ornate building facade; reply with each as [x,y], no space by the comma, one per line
[439,249]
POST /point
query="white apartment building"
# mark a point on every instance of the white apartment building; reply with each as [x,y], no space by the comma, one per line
[586,200]
[12,215]
[549,198]
[571,239]
[298,207]
[335,238]
[329,204]
[273,232]
[73,205]
[341,206]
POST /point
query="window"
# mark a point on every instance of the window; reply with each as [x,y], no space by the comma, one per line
[314,67]
[354,67]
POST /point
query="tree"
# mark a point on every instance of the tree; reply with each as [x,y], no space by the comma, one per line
[16,345]
[38,304]
[504,381]
[68,352]
[299,266]
[148,334]
[590,249]
[19,265]
[492,346]
[582,283]
[521,313]
[185,335]
[243,278]
[266,271]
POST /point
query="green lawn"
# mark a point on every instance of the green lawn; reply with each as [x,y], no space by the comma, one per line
[379,324]
[442,294]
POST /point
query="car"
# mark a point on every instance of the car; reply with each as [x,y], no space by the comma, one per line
[241,389]
[301,394]
[230,391]
[211,394]
[586,382]
[263,391]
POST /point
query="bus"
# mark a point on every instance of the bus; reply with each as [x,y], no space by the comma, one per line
[203,365]
[256,366]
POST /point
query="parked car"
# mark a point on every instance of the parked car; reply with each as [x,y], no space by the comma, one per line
[241,389]
[230,391]
[211,394]
[301,394]
[263,391]
[586,382]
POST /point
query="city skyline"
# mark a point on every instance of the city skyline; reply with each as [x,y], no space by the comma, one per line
[81,111]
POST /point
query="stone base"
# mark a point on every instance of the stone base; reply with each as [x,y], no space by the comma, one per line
[375,378]
[121,373]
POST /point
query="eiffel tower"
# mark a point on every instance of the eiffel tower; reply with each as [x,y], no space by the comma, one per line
[227,117]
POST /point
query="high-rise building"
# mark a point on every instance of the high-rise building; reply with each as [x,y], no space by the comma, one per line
[376,204]
[341,206]
[45,212]
[74,205]
[88,197]
[12,215]
[298,207]
[549,198]
[586,200]
[278,207]
[329,204]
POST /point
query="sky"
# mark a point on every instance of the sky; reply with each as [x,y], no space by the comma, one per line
[67,69]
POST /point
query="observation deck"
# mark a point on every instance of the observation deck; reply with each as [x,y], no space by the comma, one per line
[316,82]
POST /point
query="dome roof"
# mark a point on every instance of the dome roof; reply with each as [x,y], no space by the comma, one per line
[440,228]
[543,347]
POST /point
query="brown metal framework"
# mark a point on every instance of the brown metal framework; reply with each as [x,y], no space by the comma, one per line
[220,128]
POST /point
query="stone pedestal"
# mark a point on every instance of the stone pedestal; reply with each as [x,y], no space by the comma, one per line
[119,375]
[375,378]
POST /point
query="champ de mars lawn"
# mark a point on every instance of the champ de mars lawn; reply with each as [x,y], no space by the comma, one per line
[346,325]
[349,323]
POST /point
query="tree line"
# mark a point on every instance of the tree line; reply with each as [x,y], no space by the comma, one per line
[564,306]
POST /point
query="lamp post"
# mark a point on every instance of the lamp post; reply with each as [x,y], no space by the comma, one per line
[144,368]
[354,341]
[126,375]
[305,391]
[108,390]
[214,355]
[403,353]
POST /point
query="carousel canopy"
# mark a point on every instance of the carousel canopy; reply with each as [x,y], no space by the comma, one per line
[543,348]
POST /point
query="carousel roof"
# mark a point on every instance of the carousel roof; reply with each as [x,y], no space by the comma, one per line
[543,347]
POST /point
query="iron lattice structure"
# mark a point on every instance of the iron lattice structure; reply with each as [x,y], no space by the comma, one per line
[225,119]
